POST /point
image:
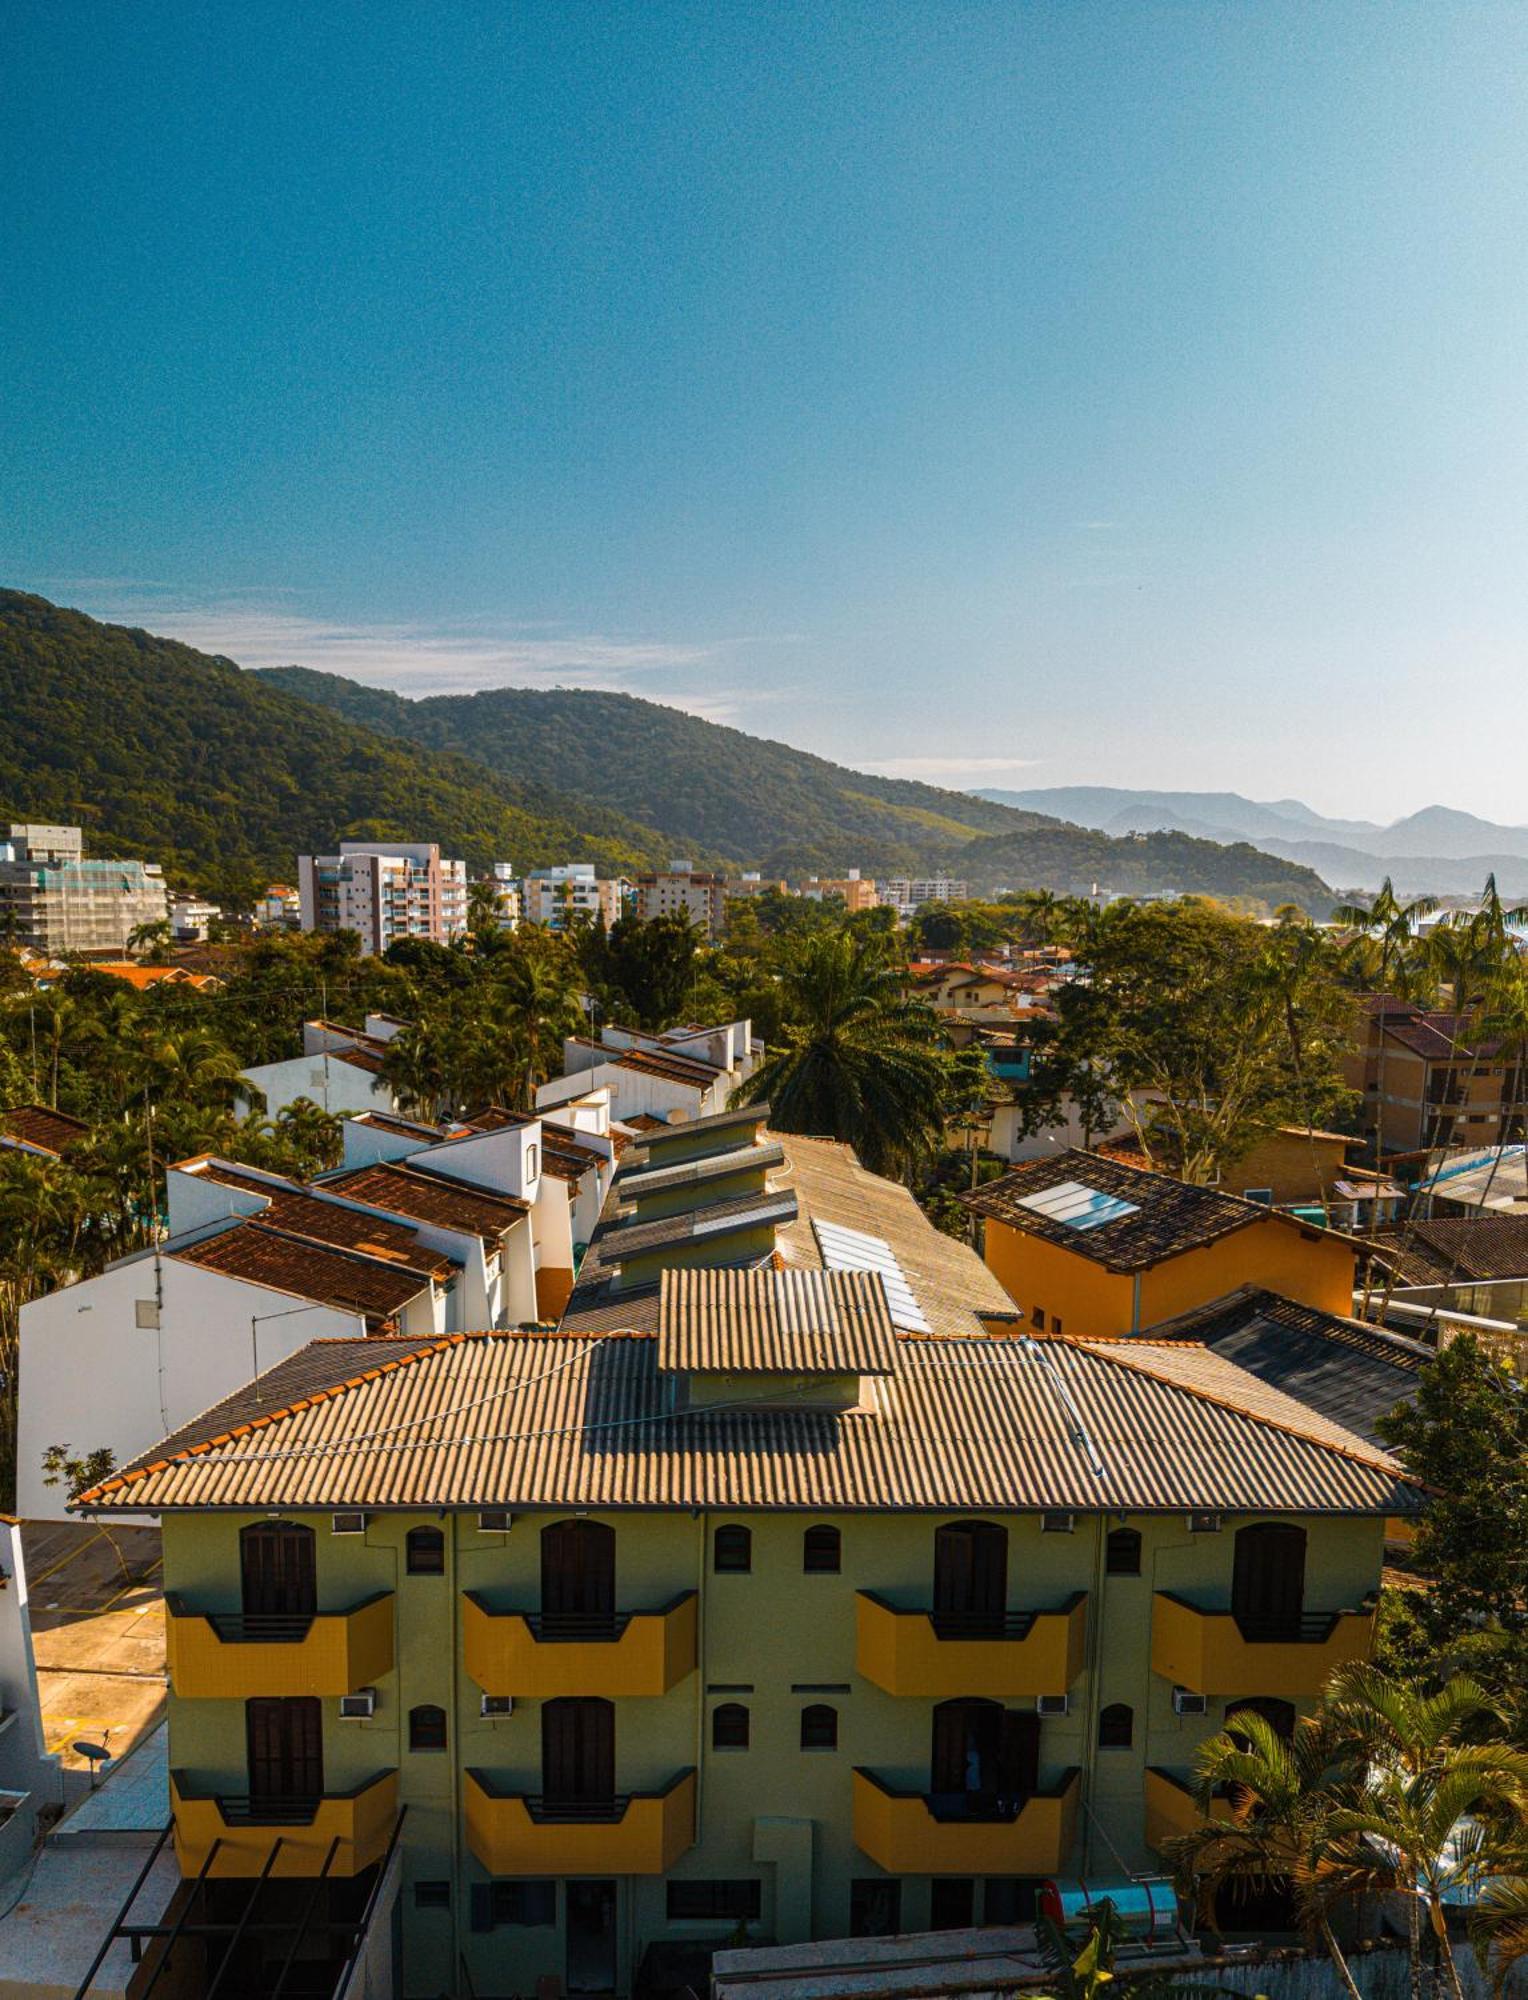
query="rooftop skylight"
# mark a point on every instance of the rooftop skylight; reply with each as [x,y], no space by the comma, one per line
[851,1250]
[1077,1206]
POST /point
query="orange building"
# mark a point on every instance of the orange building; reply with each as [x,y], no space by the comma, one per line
[1086,1245]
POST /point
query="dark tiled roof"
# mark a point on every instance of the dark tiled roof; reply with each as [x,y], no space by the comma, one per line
[1454,1249]
[674,1068]
[1168,1216]
[427,1197]
[266,1256]
[36,1125]
[1343,1368]
[294,1209]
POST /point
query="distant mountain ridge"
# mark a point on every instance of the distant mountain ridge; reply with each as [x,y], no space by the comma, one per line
[1436,851]
[765,804]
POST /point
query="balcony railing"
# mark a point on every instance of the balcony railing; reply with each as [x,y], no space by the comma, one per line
[1211,1652]
[630,1833]
[235,1834]
[1000,1655]
[236,1656]
[544,1654]
[925,1833]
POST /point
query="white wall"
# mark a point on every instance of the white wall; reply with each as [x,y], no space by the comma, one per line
[91,1376]
[333,1084]
[507,1160]
[25,1765]
[634,1093]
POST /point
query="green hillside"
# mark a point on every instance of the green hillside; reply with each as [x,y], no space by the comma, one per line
[763,804]
[708,788]
[163,752]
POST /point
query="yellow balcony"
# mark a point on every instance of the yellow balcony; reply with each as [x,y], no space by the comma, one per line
[239,1834]
[234,1658]
[636,1833]
[902,1832]
[915,1653]
[640,1652]
[1209,1652]
[1172,1809]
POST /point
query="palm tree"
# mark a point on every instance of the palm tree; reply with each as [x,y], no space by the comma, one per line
[539,989]
[859,1062]
[1389,926]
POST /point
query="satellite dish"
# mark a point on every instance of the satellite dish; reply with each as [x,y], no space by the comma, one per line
[94,1754]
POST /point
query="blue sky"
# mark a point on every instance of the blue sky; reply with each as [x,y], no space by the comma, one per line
[1002,394]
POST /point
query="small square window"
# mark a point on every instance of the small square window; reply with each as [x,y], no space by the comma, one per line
[432,1895]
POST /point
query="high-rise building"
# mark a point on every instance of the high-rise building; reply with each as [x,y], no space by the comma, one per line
[560,896]
[681,890]
[908,893]
[384,890]
[56,901]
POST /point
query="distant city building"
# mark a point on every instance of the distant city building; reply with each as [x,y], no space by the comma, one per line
[853,889]
[752,883]
[506,886]
[909,893]
[557,897]
[681,890]
[55,900]
[280,907]
[384,890]
[191,919]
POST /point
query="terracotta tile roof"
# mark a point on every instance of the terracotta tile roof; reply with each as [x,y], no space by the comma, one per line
[356,1058]
[520,1421]
[775,1322]
[37,1125]
[145,976]
[562,1152]
[427,1197]
[298,1212]
[296,1264]
[1162,1217]
[406,1128]
[650,1062]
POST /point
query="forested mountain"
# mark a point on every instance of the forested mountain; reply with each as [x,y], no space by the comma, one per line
[764,804]
[160,751]
[708,787]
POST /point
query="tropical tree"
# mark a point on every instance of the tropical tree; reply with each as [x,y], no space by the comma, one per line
[859,1060]
[146,940]
[1385,956]
[540,991]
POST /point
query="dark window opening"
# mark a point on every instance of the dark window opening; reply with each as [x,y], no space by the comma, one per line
[530,1903]
[875,1907]
[1268,1581]
[1123,1554]
[1010,1899]
[427,1727]
[578,1750]
[821,1550]
[733,1902]
[819,1727]
[277,1571]
[729,1726]
[970,1579]
[734,1549]
[425,1552]
[1277,1713]
[432,1895]
[1116,1726]
[284,1747]
[951,1903]
[577,1580]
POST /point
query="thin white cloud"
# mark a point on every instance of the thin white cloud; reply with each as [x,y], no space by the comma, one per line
[935,768]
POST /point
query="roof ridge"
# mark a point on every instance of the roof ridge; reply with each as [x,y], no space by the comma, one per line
[1378,1461]
[323,1395]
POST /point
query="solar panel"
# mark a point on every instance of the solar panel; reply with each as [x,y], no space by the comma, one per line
[1077,1206]
[851,1250]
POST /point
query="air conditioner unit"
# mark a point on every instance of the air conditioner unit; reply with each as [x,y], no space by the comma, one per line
[1186,1703]
[1051,1704]
[358,1707]
[495,1521]
[1058,1523]
[1204,1524]
[493,1705]
[348,1524]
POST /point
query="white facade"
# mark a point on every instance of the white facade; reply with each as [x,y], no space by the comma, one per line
[327,1078]
[558,897]
[383,891]
[30,1778]
[909,893]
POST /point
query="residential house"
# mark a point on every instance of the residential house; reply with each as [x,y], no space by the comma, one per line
[802,1601]
[1085,1243]
[1471,1180]
[384,891]
[1457,1264]
[40,1130]
[58,902]
[340,1070]
[31,1783]
[279,907]
[684,891]
[1427,1081]
[688,1072]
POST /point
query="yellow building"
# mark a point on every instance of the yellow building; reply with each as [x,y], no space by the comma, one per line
[1085,1244]
[795,1598]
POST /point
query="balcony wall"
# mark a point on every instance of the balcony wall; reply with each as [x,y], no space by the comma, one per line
[1206,1651]
[233,1658]
[1171,1808]
[361,1821]
[902,1652]
[648,1653]
[899,1832]
[642,1833]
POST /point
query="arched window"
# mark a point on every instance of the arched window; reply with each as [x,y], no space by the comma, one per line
[577,1580]
[427,1728]
[734,1549]
[729,1726]
[1116,1726]
[819,1727]
[821,1550]
[1268,1581]
[1123,1554]
[970,1579]
[425,1552]
[277,1570]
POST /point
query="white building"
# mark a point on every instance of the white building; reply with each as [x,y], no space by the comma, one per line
[383,891]
[679,1074]
[191,919]
[559,897]
[908,893]
[339,1070]
[506,887]
[55,901]
[30,1779]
